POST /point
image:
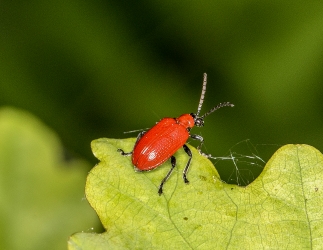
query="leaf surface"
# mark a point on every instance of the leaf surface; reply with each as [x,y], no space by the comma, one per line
[281,209]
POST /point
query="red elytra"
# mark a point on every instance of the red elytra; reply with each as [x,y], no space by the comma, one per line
[160,143]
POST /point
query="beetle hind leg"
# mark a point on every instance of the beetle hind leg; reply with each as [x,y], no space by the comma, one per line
[123,153]
[130,153]
[173,162]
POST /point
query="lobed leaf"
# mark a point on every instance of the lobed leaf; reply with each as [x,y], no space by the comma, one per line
[281,209]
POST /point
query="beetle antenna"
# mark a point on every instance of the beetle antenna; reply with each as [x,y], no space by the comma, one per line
[220,105]
[202,94]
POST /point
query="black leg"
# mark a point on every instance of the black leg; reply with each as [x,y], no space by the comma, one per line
[200,138]
[130,153]
[123,153]
[189,153]
[173,162]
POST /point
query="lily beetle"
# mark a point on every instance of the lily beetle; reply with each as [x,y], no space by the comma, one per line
[158,144]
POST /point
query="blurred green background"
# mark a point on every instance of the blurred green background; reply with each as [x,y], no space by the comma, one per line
[91,69]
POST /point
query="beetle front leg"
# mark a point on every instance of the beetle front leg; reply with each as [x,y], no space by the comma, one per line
[173,162]
[200,138]
[130,153]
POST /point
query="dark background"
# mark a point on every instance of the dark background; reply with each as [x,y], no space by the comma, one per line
[92,69]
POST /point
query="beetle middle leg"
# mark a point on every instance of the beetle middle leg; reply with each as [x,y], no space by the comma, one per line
[189,153]
[173,162]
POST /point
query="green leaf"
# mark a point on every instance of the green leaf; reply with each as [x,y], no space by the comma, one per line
[281,209]
[41,194]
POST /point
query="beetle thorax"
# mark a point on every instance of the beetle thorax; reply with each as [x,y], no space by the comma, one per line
[186,120]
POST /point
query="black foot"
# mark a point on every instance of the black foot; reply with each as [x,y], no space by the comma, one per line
[123,153]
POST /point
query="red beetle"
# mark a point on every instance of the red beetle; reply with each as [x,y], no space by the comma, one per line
[158,144]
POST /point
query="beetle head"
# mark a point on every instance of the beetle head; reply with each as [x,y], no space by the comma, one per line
[198,121]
